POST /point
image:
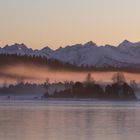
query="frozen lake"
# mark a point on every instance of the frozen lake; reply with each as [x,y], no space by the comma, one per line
[69,120]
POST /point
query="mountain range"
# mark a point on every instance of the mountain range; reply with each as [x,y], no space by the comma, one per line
[126,54]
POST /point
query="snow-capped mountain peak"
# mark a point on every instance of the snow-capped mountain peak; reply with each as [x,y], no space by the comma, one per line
[127,43]
[47,49]
[126,54]
[15,47]
[90,44]
[20,49]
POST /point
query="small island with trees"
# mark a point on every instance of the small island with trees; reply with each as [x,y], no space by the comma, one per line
[118,90]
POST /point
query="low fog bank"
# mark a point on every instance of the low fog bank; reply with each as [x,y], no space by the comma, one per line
[35,74]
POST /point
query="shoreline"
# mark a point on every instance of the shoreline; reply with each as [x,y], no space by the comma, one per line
[69,99]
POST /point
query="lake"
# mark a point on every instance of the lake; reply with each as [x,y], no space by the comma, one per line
[69,120]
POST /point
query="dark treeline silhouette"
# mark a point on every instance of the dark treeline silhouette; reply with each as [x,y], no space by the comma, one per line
[118,90]
[13,59]
[78,90]
[20,89]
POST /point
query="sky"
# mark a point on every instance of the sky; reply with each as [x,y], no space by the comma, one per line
[55,23]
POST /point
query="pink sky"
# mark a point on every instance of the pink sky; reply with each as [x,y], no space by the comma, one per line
[56,23]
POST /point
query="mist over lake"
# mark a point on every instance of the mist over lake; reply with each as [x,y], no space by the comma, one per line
[35,74]
[69,70]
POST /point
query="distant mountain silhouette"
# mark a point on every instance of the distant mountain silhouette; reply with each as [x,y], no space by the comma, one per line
[53,64]
[124,56]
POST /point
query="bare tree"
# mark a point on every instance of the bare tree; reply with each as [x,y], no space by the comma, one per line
[134,85]
[89,79]
[68,84]
[118,78]
[5,84]
[20,80]
[47,82]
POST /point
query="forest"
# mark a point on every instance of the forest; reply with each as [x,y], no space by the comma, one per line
[53,64]
[118,90]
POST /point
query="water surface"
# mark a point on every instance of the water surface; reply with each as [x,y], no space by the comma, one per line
[69,120]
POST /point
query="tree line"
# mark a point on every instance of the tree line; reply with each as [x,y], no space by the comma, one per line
[118,90]
[13,59]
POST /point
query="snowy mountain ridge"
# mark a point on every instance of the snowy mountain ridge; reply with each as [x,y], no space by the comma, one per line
[125,54]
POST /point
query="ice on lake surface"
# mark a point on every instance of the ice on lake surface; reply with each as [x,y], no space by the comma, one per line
[69,120]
